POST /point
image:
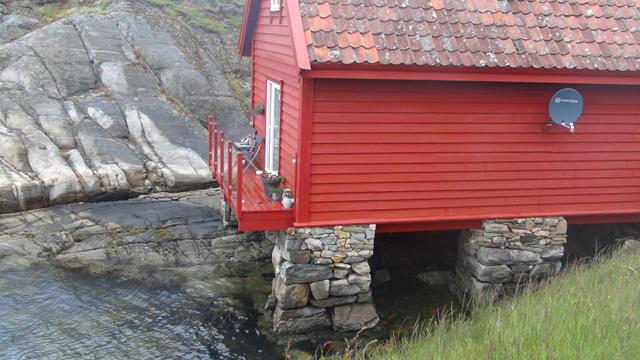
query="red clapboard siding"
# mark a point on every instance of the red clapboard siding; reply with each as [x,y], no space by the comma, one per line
[395,150]
[273,58]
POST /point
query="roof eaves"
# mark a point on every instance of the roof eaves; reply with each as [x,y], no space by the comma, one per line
[297,34]
[249,20]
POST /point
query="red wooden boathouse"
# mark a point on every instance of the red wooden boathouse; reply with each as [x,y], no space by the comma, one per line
[431,114]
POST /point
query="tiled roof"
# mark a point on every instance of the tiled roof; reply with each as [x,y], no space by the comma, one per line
[574,34]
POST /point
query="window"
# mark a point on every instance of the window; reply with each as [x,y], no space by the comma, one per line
[274,5]
[272,141]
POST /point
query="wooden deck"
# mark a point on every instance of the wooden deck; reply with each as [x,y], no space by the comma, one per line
[258,212]
[243,190]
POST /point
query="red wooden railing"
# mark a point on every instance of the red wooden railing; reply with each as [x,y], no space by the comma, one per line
[217,154]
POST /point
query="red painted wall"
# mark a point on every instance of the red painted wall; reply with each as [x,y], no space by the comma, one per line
[273,58]
[391,151]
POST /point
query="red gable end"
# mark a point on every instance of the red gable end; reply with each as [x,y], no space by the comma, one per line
[249,21]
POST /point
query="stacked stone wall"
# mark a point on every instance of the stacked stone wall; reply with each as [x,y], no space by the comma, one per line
[504,256]
[322,279]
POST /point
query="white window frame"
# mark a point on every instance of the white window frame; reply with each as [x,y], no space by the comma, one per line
[274,5]
[272,127]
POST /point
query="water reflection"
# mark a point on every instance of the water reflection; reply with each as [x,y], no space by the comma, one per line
[47,312]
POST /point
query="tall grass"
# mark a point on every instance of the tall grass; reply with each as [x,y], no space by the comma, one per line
[590,312]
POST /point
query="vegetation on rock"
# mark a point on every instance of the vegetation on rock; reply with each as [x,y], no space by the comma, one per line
[54,11]
[210,14]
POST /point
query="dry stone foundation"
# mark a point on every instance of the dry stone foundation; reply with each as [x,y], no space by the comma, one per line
[322,279]
[505,255]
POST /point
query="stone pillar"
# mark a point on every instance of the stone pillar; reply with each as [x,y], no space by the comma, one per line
[322,279]
[506,255]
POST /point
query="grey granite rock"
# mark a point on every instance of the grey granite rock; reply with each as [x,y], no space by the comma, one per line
[552,253]
[290,296]
[342,287]
[354,317]
[320,289]
[495,273]
[631,245]
[104,105]
[15,25]
[545,269]
[304,273]
[301,320]
[361,268]
[333,301]
[180,229]
[496,256]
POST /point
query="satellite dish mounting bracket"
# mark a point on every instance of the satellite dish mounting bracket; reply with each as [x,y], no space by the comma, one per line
[571,128]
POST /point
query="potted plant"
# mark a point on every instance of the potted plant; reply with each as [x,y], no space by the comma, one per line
[276,194]
[270,182]
[258,109]
[256,112]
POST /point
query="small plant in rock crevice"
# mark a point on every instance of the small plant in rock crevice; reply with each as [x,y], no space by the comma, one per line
[174,100]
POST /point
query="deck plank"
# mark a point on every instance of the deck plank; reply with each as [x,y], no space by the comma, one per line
[253,195]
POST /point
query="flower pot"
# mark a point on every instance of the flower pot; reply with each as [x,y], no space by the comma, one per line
[275,197]
[268,186]
[287,202]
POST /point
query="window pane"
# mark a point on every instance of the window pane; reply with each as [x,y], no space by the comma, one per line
[272,136]
[276,129]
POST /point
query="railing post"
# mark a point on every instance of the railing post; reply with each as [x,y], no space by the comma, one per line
[221,170]
[215,151]
[239,171]
[210,142]
[230,168]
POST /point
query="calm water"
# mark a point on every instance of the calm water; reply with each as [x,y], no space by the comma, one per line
[51,313]
[48,312]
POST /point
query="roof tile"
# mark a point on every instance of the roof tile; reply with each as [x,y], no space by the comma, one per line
[582,34]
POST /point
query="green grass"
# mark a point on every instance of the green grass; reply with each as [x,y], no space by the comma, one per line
[162,2]
[236,22]
[90,10]
[590,312]
[52,12]
[200,16]
[238,92]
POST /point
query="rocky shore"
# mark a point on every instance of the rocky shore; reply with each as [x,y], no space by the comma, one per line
[137,236]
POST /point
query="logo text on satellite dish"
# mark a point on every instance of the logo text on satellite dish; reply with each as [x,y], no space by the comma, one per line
[560,100]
